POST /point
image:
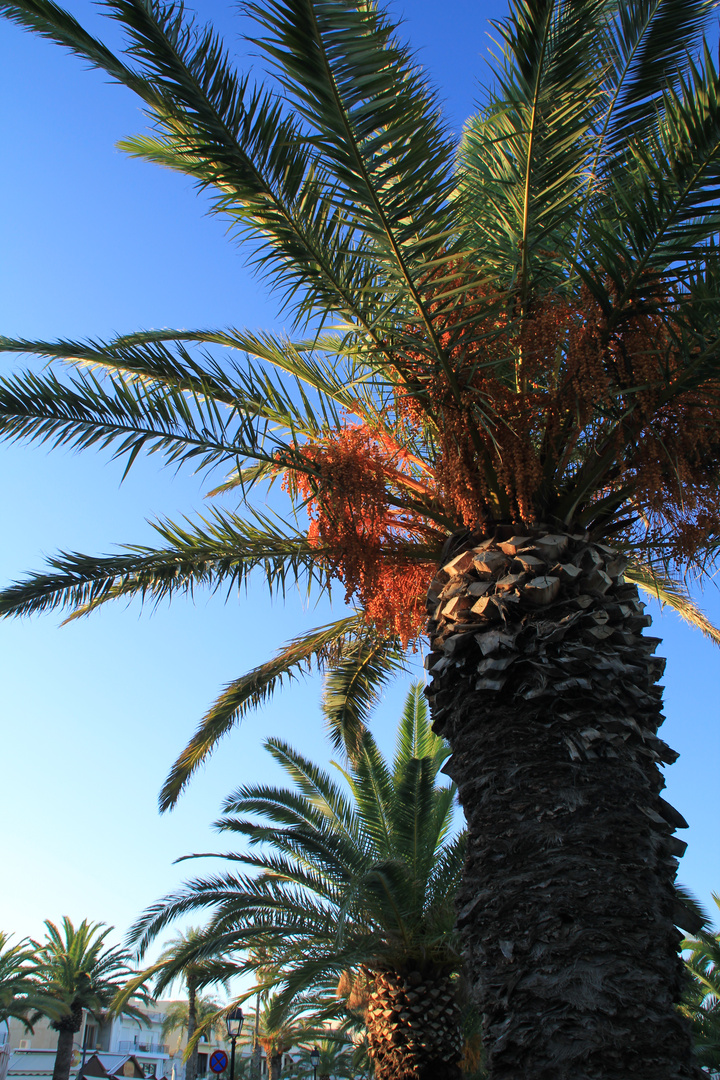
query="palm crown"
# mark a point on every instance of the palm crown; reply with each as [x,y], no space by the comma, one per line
[521,328]
[75,969]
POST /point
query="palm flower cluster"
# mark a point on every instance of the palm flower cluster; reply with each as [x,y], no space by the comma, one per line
[353,485]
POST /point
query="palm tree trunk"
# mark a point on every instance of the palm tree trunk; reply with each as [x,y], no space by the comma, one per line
[191,1065]
[64,1053]
[274,1064]
[545,688]
[413,1028]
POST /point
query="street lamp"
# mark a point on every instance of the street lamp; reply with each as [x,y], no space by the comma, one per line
[315,1058]
[234,1024]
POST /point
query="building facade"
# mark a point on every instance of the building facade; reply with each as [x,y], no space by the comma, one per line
[30,1055]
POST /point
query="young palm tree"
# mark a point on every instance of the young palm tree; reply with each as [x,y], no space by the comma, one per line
[184,1017]
[503,387]
[280,1028]
[74,970]
[352,897]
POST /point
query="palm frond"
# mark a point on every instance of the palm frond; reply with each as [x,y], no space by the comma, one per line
[650,47]
[249,691]
[53,22]
[415,738]
[221,550]
[663,194]
[241,142]
[84,412]
[318,795]
[376,125]
[353,683]
[671,592]
[523,160]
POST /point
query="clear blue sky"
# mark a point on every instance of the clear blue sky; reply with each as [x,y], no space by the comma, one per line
[93,243]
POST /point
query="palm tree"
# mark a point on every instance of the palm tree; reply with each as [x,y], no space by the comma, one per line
[178,962]
[18,991]
[502,385]
[184,1017]
[335,1061]
[75,971]
[701,1001]
[280,1028]
[352,896]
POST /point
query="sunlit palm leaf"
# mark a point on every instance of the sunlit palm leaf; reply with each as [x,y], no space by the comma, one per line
[249,691]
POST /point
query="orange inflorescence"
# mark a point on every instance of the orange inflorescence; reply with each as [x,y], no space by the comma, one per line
[347,487]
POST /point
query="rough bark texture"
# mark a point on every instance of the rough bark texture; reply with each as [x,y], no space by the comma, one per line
[413,1027]
[63,1056]
[546,689]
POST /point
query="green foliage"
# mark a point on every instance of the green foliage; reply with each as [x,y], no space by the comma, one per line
[209,1017]
[701,1001]
[18,991]
[337,1059]
[342,875]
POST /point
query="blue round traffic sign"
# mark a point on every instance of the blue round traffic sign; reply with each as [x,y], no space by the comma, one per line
[218,1061]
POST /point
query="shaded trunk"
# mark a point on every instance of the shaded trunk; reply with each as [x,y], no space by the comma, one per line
[545,688]
[64,1053]
[274,1064]
[413,1027]
[191,1065]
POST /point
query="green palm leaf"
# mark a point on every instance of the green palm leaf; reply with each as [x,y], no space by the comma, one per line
[246,693]
[222,550]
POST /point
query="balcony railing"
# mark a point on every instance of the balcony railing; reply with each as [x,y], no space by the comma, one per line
[129,1046]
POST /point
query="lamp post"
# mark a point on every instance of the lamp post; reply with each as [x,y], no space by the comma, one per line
[234,1025]
[315,1058]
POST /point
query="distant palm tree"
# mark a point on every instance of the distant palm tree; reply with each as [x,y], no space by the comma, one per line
[208,1015]
[178,962]
[336,1060]
[701,1002]
[353,893]
[281,1028]
[74,971]
[17,988]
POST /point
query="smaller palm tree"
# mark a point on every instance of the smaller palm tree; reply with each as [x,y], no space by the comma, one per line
[701,1001]
[336,1060]
[352,894]
[280,1028]
[74,970]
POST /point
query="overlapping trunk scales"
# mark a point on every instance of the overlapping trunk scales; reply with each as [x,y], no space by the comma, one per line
[413,1027]
[546,689]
